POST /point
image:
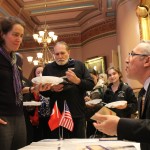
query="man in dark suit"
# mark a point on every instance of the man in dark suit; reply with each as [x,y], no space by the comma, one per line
[137,67]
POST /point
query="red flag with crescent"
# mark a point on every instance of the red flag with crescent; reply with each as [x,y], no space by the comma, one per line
[54,118]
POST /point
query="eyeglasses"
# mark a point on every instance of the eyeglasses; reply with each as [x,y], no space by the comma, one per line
[135,54]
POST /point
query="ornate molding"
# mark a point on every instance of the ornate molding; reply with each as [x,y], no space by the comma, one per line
[100,30]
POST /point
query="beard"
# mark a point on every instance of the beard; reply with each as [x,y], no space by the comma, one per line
[62,62]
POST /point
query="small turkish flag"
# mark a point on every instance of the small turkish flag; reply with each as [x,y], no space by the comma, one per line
[54,118]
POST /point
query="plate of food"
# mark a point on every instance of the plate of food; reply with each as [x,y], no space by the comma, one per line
[31,103]
[47,79]
[116,104]
[94,101]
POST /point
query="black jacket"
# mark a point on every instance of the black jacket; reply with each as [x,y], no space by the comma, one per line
[137,130]
[8,105]
[73,94]
[124,92]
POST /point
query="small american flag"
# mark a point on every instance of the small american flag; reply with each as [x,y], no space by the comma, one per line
[66,120]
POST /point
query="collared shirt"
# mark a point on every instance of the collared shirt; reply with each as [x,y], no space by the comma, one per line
[146,84]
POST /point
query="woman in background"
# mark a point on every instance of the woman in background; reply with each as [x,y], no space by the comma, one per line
[39,122]
[91,109]
[36,72]
[94,94]
[117,91]
[101,84]
[103,77]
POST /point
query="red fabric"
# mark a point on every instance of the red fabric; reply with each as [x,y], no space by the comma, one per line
[35,118]
[54,118]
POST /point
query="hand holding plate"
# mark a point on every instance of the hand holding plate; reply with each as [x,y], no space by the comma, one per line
[41,87]
[123,106]
[57,88]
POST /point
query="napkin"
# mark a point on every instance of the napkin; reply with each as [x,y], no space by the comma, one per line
[104,111]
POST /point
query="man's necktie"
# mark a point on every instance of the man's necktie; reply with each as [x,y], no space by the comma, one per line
[142,95]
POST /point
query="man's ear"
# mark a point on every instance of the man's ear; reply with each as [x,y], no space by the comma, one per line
[147,61]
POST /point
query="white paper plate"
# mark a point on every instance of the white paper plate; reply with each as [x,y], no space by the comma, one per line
[47,79]
[95,101]
[116,104]
[32,103]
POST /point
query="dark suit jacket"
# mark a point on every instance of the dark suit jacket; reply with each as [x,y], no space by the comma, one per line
[139,129]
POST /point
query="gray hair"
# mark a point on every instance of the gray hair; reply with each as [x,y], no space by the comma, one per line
[63,43]
[145,45]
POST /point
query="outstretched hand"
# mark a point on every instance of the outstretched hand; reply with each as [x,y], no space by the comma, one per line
[2,122]
[106,124]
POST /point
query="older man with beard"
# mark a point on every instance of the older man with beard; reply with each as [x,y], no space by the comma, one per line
[137,67]
[78,81]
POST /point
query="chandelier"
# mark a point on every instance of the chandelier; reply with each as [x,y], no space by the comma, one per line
[43,57]
[45,38]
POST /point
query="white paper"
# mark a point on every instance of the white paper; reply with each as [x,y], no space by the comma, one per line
[81,144]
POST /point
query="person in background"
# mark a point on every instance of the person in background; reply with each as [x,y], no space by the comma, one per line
[33,111]
[101,84]
[103,79]
[138,130]
[79,81]
[39,122]
[12,123]
[118,91]
[96,93]
[36,72]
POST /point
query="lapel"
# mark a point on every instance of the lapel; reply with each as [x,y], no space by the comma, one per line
[147,101]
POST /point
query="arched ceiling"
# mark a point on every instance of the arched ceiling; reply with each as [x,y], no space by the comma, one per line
[61,16]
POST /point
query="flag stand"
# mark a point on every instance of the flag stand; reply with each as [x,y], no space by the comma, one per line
[66,120]
[61,134]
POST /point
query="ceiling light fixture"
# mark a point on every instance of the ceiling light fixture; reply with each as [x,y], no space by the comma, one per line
[45,38]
